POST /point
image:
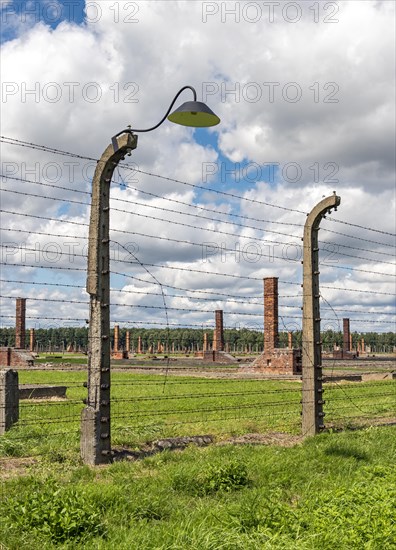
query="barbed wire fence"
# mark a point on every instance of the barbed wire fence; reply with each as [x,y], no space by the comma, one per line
[44,260]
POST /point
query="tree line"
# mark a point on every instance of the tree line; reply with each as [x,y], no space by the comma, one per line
[187,339]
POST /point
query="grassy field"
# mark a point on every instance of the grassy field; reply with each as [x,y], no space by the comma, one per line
[337,490]
[148,407]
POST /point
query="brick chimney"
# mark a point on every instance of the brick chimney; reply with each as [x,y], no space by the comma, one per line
[116,338]
[346,335]
[32,340]
[20,324]
[218,338]
[205,342]
[270,314]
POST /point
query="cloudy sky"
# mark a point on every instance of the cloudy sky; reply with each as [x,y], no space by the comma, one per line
[305,92]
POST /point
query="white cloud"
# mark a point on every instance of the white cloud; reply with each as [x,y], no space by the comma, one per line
[92,80]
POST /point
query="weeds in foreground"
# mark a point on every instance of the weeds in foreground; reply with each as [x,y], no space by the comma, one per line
[332,491]
[55,512]
[229,476]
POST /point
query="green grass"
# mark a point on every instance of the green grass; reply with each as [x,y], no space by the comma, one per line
[350,402]
[148,407]
[337,490]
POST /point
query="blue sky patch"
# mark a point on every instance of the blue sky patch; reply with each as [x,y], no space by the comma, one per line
[18,15]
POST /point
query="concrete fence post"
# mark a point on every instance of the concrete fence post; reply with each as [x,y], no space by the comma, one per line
[312,391]
[95,442]
[9,399]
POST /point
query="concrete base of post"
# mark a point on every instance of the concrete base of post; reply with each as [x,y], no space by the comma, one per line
[94,448]
[9,399]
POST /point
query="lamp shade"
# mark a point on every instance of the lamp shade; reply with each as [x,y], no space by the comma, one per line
[194,113]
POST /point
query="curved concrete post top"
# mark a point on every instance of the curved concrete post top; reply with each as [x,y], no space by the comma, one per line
[323,207]
[97,235]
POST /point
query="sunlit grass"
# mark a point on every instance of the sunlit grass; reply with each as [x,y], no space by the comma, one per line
[336,490]
[149,407]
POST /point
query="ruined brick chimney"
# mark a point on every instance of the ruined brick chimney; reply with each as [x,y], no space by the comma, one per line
[116,338]
[271,339]
[205,342]
[218,338]
[20,324]
[32,340]
[346,335]
[275,360]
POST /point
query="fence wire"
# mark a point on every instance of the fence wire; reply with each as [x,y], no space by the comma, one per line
[163,388]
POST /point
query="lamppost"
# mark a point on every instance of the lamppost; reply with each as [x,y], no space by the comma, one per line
[95,442]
